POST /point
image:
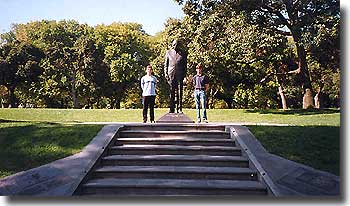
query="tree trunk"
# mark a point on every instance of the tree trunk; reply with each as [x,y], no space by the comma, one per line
[319,98]
[228,102]
[210,99]
[283,97]
[12,97]
[116,104]
[303,70]
[75,99]
[74,92]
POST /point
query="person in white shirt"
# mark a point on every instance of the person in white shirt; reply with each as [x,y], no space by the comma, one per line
[148,85]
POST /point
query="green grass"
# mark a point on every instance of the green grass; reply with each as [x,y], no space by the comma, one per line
[75,115]
[33,137]
[329,117]
[316,146]
[25,145]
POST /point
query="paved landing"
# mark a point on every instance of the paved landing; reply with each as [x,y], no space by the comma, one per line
[174,118]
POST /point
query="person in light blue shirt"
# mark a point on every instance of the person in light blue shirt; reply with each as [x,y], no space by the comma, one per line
[148,85]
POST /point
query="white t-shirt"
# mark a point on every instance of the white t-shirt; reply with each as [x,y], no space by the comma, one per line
[148,85]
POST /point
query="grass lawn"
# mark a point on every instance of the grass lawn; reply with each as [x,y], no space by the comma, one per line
[316,146]
[33,137]
[25,145]
[330,117]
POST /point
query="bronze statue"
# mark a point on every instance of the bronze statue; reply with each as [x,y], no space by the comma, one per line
[175,70]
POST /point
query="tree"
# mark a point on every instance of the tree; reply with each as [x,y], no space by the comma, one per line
[93,72]
[126,53]
[83,65]
[71,62]
[19,67]
[235,53]
[322,40]
[284,17]
[297,17]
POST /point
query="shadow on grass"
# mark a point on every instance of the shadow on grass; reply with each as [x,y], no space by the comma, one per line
[45,122]
[315,146]
[294,111]
[25,145]
[8,120]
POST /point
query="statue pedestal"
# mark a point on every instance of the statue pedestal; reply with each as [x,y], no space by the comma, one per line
[174,118]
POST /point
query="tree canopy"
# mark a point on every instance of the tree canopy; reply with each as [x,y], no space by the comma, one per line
[257,54]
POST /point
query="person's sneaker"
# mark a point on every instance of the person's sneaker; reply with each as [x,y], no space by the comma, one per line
[199,121]
[206,121]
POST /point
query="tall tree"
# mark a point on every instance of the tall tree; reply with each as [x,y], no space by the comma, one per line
[293,18]
[235,53]
[322,40]
[19,66]
[126,53]
[288,17]
[69,63]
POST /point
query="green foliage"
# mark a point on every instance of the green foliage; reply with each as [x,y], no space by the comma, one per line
[79,64]
[232,51]
[127,53]
[64,64]
[19,68]
[328,81]
[314,26]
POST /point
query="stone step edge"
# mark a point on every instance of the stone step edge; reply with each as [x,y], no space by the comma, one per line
[173,132]
[174,147]
[175,183]
[211,158]
[183,126]
[187,139]
[177,169]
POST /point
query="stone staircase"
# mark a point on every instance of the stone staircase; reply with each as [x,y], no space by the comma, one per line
[172,160]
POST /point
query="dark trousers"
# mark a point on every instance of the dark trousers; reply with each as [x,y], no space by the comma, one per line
[148,102]
[176,93]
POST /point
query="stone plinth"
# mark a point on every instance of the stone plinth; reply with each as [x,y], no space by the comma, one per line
[174,118]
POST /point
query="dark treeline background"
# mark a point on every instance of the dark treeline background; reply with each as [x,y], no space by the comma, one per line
[257,54]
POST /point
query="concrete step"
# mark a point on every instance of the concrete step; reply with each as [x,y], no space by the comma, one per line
[172,187]
[175,127]
[176,141]
[173,150]
[175,172]
[161,134]
[175,160]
